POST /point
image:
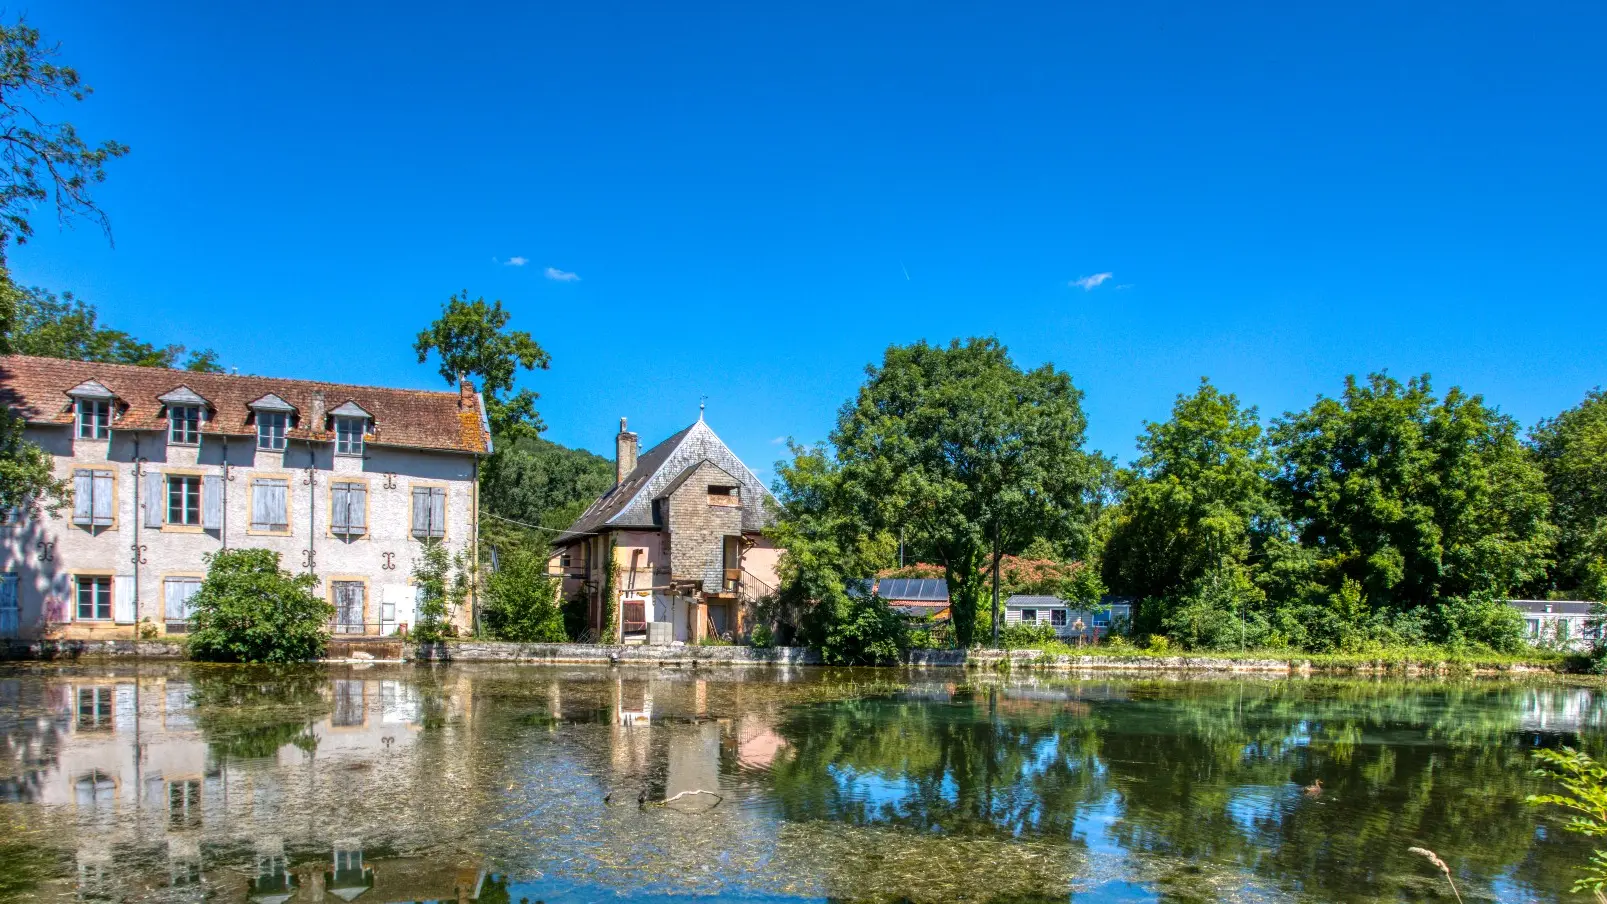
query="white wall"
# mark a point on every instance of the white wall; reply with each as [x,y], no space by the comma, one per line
[47,549]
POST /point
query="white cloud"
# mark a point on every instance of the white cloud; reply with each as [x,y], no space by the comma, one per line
[1090,283]
[778,441]
[562,275]
[517,261]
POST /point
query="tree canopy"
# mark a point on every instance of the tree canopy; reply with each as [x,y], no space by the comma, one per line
[42,164]
[66,327]
[471,338]
[1572,452]
[958,449]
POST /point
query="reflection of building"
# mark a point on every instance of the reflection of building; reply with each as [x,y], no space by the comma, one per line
[681,533]
[165,467]
[153,791]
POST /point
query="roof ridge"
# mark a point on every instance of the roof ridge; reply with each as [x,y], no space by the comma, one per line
[208,375]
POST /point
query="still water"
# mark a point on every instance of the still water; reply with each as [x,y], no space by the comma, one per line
[498,784]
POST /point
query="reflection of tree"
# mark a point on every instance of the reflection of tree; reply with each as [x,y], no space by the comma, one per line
[1205,780]
[30,738]
[1214,772]
[250,712]
[982,764]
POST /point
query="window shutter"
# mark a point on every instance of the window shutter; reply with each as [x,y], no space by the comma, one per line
[337,507]
[123,600]
[102,509]
[357,508]
[437,512]
[259,506]
[83,497]
[277,519]
[173,599]
[212,502]
[155,498]
[8,591]
[421,512]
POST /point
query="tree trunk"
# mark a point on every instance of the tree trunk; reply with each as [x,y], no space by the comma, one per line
[995,587]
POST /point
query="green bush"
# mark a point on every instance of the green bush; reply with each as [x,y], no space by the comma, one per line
[1021,637]
[761,637]
[248,610]
[859,629]
[1478,621]
[521,602]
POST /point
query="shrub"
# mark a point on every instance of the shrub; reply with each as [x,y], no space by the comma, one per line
[860,629]
[521,601]
[1478,621]
[1020,637]
[575,611]
[762,637]
[248,610]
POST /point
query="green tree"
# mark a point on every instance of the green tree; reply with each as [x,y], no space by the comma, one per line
[250,610]
[66,327]
[442,583]
[1418,499]
[1198,504]
[42,163]
[471,338]
[521,600]
[1572,450]
[975,457]
[539,482]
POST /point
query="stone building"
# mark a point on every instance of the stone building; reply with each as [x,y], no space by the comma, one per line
[165,467]
[678,541]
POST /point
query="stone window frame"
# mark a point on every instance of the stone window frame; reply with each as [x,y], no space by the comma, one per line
[251,502]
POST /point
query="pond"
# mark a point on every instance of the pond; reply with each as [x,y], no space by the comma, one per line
[392,783]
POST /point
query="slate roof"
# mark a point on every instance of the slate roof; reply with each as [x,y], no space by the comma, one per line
[1553,607]
[629,505]
[452,421]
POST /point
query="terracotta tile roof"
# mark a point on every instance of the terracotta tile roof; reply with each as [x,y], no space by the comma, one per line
[36,388]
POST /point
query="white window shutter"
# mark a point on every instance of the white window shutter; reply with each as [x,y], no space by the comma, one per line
[155,498]
[259,505]
[421,512]
[212,502]
[173,599]
[357,508]
[83,497]
[102,481]
[123,600]
[339,503]
[276,505]
[437,512]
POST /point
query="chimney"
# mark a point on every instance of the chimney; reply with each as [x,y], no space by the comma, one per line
[624,453]
[465,392]
[315,421]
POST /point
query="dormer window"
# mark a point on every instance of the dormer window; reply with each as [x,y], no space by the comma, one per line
[271,430]
[273,421]
[349,435]
[94,418]
[184,425]
[351,422]
[185,412]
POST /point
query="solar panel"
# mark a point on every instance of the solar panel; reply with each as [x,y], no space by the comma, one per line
[925,590]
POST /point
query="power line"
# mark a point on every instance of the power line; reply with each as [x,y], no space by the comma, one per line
[536,526]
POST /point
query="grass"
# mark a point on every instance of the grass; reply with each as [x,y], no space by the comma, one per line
[1389,657]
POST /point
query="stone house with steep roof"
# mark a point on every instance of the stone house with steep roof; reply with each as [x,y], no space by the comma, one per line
[166,466]
[678,541]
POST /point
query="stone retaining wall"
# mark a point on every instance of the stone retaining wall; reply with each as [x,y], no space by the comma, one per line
[73,649]
[495,651]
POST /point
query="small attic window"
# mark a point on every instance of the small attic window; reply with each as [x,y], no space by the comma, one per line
[725,495]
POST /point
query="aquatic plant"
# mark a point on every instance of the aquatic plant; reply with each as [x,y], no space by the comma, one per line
[1585,781]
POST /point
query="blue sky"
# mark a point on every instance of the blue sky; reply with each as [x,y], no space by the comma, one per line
[751,201]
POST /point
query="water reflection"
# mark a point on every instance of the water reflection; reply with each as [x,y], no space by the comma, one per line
[400,784]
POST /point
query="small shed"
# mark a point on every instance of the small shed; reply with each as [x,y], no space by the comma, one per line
[1569,624]
[1065,616]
